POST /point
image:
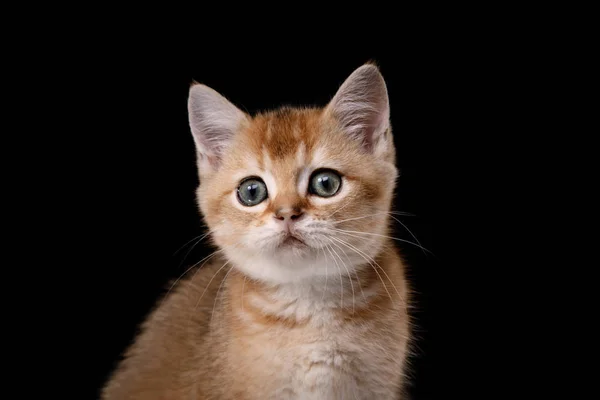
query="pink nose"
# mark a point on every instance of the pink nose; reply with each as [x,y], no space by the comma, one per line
[288,214]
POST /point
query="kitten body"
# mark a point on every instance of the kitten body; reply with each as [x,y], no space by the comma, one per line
[306,296]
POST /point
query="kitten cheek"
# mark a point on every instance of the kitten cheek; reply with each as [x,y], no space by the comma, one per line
[225,234]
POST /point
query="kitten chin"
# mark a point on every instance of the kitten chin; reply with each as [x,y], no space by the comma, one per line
[306,296]
[287,264]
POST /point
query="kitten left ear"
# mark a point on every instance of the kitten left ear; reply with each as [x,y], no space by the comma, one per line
[361,107]
[214,121]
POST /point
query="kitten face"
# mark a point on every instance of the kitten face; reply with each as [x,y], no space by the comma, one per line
[297,194]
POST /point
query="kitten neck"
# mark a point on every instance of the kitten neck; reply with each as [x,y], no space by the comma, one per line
[316,300]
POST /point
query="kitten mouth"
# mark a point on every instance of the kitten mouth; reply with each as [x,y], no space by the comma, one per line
[292,240]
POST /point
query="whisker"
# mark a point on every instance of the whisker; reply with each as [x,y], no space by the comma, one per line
[340,274]
[199,237]
[193,265]
[372,215]
[217,295]
[355,273]
[380,267]
[192,248]
[371,264]
[356,218]
[409,231]
[339,209]
[207,286]
[209,283]
[243,286]
[385,236]
[205,259]
[348,271]
[403,213]
[326,274]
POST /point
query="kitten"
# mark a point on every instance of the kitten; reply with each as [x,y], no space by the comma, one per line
[306,296]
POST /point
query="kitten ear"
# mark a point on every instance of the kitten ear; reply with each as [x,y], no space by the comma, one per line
[214,121]
[361,107]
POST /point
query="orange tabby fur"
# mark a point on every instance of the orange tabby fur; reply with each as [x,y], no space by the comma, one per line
[234,330]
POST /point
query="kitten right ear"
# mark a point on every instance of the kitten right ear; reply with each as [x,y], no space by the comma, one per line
[214,121]
[361,108]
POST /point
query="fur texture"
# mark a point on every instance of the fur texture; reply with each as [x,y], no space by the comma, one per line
[305,297]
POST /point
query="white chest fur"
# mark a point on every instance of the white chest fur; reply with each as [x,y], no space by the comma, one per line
[317,367]
[324,358]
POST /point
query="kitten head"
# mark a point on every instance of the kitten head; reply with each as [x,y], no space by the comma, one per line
[297,194]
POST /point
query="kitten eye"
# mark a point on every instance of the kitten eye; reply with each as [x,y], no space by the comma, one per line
[325,183]
[252,191]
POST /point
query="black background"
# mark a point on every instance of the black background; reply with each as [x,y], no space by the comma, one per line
[131,166]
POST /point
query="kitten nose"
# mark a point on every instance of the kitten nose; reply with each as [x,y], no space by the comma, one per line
[288,214]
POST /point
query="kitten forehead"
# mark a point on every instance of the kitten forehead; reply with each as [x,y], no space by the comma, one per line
[288,143]
[301,155]
[285,133]
[319,157]
[266,159]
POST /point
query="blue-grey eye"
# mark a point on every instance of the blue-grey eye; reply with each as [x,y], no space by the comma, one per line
[252,191]
[325,183]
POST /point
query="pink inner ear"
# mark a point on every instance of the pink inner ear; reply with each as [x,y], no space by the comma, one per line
[207,160]
[214,121]
[361,106]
